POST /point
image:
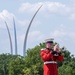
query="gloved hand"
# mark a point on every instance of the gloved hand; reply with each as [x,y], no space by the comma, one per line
[56,48]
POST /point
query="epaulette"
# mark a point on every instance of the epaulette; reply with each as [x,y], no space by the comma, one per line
[43,48]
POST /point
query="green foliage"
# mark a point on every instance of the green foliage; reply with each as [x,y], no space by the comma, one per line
[32,63]
[68,65]
[16,66]
[7,62]
[68,69]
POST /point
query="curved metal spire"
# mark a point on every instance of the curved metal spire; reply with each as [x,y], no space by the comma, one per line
[15,36]
[25,39]
[9,38]
[11,46]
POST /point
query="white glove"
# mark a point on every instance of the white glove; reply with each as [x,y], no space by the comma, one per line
[56,48]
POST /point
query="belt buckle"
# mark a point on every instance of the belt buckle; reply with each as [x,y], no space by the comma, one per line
[53,62]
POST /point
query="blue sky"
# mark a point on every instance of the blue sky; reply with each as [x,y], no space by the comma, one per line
[55,19]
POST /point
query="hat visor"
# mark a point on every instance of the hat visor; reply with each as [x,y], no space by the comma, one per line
[49,42]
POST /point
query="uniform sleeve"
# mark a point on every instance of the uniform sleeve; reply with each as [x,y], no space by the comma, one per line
[46,56]
[60,58]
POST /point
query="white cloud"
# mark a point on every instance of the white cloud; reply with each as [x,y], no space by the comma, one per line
[72,16]
[57,7]
[36,35]
[28,7]
[25,23]
[58,33]
[51,7]
[33,36]
[6,16]
[63,33]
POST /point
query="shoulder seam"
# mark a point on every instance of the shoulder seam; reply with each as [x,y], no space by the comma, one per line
[43,48]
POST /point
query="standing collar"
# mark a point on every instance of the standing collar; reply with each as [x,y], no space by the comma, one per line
[48,49]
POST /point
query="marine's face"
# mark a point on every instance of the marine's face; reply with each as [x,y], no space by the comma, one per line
[49,45]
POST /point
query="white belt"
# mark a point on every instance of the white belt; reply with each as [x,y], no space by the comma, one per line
[50,62]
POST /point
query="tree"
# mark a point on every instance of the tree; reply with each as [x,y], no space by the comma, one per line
[6,60]
[16,66]
[32,64]
[68,66]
